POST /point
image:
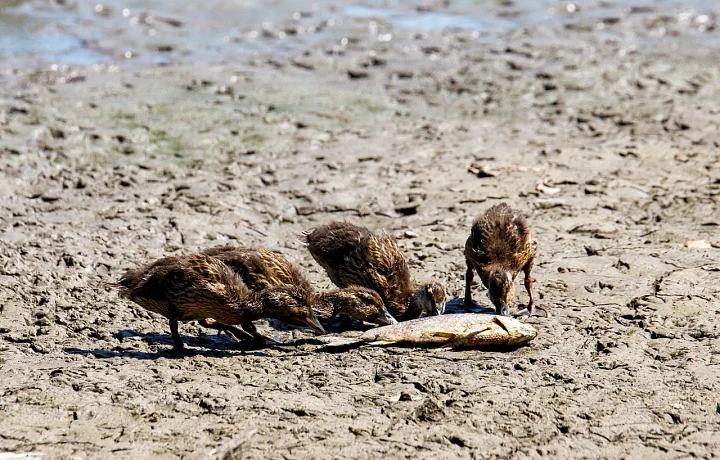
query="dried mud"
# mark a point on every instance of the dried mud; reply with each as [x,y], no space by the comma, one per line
[610,144]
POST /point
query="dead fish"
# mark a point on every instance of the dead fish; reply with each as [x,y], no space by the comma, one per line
[460,330]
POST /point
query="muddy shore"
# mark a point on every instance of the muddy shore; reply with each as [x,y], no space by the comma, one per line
[608,138]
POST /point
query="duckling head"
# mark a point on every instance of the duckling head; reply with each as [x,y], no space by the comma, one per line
[290,303]
[431,298]
[501,289]
[361,303]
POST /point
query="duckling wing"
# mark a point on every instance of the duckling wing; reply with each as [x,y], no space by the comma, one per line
[155,281]
[208,289]
[272,269]
[233,257]
[259,268]
[337,247]
[499,235]
[242,261]
[221,251]
[387,270]
[335,239]
[215,276]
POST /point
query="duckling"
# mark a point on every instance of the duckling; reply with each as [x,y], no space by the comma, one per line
[199,287]
[354,255]
[499,247]
[262,268]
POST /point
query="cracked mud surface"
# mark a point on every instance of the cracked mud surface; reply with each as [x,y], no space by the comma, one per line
[610,147]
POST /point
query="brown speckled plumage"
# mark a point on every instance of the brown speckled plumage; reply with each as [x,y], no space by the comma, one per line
[499,247]
[262,268]
[355,302]
[353,255]
[198,287]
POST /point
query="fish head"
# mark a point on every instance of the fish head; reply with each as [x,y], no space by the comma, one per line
[501,289]
[517,331]
[501,331]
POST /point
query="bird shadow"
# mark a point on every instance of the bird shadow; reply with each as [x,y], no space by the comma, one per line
[457,305]
[334,325]
[208,346]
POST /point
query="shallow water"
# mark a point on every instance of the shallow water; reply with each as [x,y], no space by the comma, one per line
[159,31]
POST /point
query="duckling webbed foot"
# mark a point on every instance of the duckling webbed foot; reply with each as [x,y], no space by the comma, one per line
[532,310]
[258,338]
[469,275]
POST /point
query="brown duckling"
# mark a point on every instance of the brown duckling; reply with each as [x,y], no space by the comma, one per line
[200,287]
[499,247]
[354,255]
[262,268]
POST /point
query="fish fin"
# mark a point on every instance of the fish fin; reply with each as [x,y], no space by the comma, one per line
[449,338]
[444,335]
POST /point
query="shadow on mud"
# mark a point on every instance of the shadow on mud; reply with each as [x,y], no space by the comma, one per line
[219,347]
[457,306]
[334,325]
[168,354]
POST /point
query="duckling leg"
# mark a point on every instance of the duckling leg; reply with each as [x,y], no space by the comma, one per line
[469,275]
[532,309]
[177,341]
[345,322]
[235,332]
[259,338]
[232,331]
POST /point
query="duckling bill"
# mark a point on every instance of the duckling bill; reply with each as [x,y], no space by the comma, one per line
[499,247]
[199,287]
